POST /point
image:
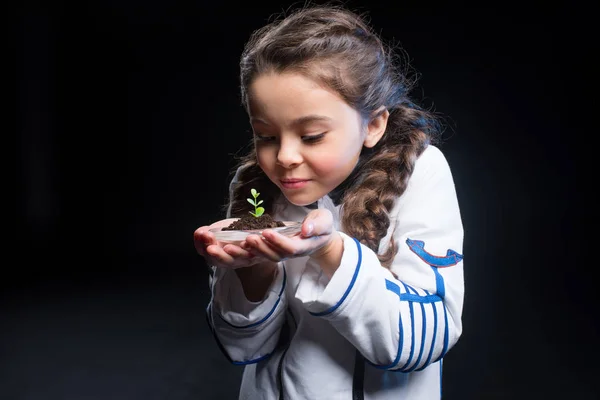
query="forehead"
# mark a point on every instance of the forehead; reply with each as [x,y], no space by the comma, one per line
[283,96]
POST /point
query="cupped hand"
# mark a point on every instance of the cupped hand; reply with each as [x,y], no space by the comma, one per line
[225,255]
[316,234]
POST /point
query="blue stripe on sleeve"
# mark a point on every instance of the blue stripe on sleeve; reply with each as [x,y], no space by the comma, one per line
[392,287]
[398,354]
[412,332]
[423,331]
[252,361]
[429,298]
[358,264]
[435,324]
[439,283]
[446,334]
[222,348]
[266,316]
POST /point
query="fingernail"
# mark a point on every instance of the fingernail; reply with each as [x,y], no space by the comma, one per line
[309,229]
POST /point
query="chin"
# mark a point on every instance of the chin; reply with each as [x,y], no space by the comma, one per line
[300,201]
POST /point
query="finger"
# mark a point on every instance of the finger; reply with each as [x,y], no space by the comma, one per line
[294,246]
[280,244]
[317,222]
[209,238]
[219,255]
[200,245]
[237,251]
[261,247]
[230,256]
[201,240]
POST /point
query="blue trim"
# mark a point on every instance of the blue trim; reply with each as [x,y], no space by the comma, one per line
[435,262]
[412,332]
[435,323]
[439,283]
[252,361]
[392,287]
[446,334]
[266,316]
[418,247]
[451,258]
[220,345]
[429,298]
[410,297]
[423,332]
[398,354]
[332,309]
[212,330]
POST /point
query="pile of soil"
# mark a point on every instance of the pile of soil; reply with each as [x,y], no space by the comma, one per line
[248,222]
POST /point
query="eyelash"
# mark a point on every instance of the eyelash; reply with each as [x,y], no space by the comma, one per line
[313,138]
[307,138]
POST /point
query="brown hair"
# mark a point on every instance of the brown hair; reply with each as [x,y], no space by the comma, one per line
[322,43]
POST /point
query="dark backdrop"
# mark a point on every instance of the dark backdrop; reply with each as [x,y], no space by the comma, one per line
[127,120]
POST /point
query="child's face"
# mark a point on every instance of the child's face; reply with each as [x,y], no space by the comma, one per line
[307,138]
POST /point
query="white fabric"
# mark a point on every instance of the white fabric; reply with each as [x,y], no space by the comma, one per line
[362,307]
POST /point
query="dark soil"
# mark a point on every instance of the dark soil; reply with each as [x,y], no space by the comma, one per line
[249,222]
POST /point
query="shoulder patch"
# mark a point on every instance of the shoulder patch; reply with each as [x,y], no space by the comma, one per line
[418,247]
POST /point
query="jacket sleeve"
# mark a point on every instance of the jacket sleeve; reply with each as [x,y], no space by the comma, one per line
[410,318]
[246,332]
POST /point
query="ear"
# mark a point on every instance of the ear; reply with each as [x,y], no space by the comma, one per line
[376,127]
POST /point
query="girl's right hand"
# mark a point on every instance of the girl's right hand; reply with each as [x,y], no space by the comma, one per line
[225,255]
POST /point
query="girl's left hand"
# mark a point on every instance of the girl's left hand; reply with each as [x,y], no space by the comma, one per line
[316,235]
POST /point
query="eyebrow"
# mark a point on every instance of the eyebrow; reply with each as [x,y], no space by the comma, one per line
[300,121]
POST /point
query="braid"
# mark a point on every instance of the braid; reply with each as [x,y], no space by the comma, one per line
[321,43]
[384,177]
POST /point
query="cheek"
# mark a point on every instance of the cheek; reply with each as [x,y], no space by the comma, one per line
[326,163]
[264,159]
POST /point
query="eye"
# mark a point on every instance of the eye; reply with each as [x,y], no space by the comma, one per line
[313,138]
[264,138]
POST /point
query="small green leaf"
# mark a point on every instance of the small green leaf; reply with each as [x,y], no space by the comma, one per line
[258,211]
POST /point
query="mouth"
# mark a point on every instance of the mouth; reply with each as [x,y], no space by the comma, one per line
[293,180]
[294,183]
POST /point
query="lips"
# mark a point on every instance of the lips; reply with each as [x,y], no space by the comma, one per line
[294,183]
[293,180]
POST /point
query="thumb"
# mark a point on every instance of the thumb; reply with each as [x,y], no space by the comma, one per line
[202,239]
[317,223]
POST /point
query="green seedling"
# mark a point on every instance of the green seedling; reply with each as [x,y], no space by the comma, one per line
[258,211]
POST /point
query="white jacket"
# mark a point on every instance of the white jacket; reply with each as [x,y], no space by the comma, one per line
[363,334]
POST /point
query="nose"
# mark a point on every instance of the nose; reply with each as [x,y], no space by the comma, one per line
[288,154]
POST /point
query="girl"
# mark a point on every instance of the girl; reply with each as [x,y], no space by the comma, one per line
[365,302]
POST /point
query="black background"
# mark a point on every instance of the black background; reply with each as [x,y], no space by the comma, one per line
[128,117]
